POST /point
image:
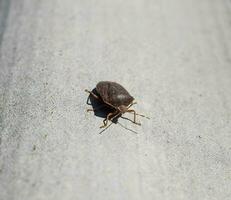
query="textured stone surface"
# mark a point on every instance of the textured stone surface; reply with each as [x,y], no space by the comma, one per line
[173,56]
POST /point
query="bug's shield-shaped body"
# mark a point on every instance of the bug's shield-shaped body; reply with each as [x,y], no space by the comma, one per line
[114,94]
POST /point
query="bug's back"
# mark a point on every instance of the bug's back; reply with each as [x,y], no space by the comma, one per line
[114,93]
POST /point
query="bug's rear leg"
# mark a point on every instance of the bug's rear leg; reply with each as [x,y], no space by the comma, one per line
[91,93]
[105,121]
[133,111]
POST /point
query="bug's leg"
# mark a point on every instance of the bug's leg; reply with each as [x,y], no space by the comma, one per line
[133,111]
[105,121]
[132,104]
[117,114]
[139,114]
[94,95]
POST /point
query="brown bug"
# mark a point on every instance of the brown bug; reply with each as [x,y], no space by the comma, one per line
[116,97]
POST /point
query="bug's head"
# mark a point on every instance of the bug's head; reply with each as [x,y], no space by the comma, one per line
[123,109]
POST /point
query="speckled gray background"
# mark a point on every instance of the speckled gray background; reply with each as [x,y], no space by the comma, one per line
[174,56]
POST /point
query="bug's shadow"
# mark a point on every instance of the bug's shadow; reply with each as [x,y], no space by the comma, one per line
[100,108]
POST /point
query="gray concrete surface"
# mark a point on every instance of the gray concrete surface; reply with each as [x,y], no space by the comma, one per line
[173,56]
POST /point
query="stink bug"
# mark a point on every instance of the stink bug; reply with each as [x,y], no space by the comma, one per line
[115,96]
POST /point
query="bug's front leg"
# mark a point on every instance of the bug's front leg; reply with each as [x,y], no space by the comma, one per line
[105,122]
[133,111]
